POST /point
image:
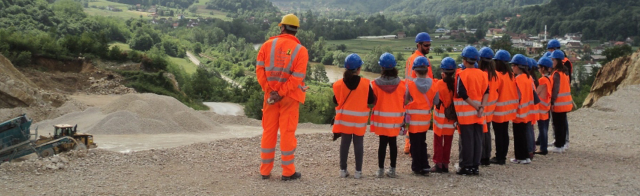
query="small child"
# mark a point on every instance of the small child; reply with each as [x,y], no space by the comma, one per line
[488,66]
[561,102]
[544,92]
[421,98]
[352,112]
[388,112]
[444,128]
[524,113]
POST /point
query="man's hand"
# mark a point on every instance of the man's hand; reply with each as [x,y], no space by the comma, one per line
[480,111]
[274,97]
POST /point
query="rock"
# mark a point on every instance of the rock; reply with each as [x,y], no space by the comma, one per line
[620,72]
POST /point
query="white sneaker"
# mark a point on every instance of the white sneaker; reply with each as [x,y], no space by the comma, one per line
[391,173]
[516,161]
[380,173]
[551,143]
[358,175]
[555,149]
[566,146]
[344,173]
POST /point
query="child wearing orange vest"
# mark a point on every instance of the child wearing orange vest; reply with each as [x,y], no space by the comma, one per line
[505,107]
[561,102]
[488,66]
[525,112]
[443,128]
[472,93]
[544,92]
[388,112]
[352,112]
[421,97]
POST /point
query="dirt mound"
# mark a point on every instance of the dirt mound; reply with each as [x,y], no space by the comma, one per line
[139,114]
[16,90]
[618,73]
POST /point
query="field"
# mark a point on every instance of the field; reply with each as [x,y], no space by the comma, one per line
[126,14]
[122,46]
[188,67]
[405,46]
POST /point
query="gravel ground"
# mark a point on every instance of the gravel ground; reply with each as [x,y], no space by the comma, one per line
[602,160]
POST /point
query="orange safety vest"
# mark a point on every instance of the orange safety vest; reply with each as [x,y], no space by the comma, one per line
[282,65]
[352,116]
[420,108]
[476,83]
[507,104]
[564,102]
[493,99]
[543,106]
[442,125]
[388,113]
[525,112]
[409,74]
[535,116]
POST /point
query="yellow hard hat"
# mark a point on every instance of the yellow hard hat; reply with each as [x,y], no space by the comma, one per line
[290,19]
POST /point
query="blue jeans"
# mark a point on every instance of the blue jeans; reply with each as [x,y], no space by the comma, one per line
[543,135]
[531,144]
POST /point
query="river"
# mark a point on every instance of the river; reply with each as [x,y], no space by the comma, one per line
[334,73]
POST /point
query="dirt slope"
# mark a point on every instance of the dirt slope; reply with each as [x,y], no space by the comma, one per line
[621,72]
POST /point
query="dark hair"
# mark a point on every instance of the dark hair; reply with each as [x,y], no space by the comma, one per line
[348,74]
[489,66]
[503,68]
[449,80]
[287,31]
[532,72]
[422,72]
[560,66]
[391,73]
[524,69]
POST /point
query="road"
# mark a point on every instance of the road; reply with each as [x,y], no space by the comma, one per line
[195,60]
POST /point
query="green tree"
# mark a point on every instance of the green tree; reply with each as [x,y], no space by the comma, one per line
[319,73]
[438,50]
[615,52]
[449,49]
[327,59]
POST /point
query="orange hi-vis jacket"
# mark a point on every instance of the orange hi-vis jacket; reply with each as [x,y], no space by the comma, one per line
[493,99]
[409,74]
[544,106]
[507,104]
[524,113]
[282,65]
[442,125]
[420,108]
[534,108]
[388,113]
[352,116]
[476,83]
[564,102]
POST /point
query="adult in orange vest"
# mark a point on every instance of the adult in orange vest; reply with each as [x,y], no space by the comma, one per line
[423,44]
[505,107]
[487,65]
[352,112]
[525,112]
[443,128]
[388,113]
[544,92]
[281,68]
[421,98]
[472,94]
[561,102]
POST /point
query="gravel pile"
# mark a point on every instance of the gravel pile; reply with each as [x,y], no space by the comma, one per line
[108,86]
[602,160]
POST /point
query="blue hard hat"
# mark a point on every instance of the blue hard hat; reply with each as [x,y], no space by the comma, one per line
[557,54]
[461,66]
[547,54]
[553,44]
[353,62]
[545,62]
[486,52]
[423,37]
[519,59]
[471,53]
[448,63]
[502,55]
[420,62]
[532,64]
[475,65]
[387,61]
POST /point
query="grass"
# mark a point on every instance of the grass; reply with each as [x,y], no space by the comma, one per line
[122,46]
[405,46]
[126,14]
[188,67]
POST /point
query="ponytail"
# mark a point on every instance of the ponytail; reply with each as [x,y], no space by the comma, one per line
[449,80]
[489,66]
[503,68]
[348,74]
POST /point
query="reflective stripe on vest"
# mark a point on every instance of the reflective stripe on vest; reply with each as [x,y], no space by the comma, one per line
[350,124]
[386,125]
[505,103]
[418,111]
[444,126]
[419,123]
[564,101]
[352,113]
[388,114]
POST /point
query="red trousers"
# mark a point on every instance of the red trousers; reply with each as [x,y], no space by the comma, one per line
[442,148]
[282,115]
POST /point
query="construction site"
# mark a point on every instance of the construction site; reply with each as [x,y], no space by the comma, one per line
[94,136]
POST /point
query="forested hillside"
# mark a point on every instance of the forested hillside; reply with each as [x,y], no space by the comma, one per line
[368,6]
[242,5]
[169,3]
[608,20]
